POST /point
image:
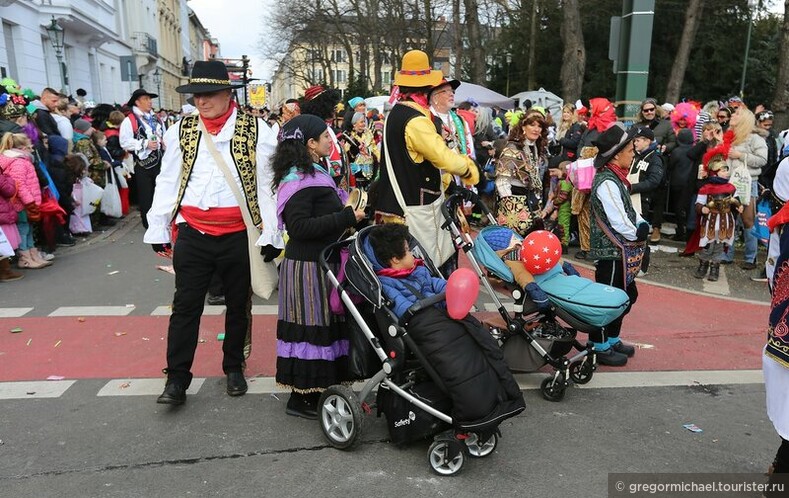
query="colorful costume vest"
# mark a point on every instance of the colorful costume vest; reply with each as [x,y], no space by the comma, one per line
[243,147]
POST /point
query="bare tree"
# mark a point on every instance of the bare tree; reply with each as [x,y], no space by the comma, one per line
[457,31]
[478,65]
[692,21]
[781,98]
[532,82]
[574,56]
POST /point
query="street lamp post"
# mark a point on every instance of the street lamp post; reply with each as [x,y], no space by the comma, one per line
[56,34]
[751,5]
[157,80]
[509,59]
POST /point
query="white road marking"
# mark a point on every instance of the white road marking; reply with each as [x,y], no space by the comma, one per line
[265,309]
[162,311]
[143,387]
[257,309]
[14,312]
[92,311]
[34,389]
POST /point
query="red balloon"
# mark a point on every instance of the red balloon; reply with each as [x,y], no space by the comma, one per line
[462,291]
[541,251]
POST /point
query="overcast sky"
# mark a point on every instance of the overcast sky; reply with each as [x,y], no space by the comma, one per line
[237,25]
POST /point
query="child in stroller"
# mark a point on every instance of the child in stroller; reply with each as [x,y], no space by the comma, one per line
[432,364]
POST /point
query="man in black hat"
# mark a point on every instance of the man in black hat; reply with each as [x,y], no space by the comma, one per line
[141,134]
[192,190]
[618,235]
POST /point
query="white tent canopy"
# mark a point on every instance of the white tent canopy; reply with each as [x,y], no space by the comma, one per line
[543,98]
[482,95]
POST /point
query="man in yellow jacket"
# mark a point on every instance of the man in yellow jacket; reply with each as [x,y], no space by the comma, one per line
[414,157]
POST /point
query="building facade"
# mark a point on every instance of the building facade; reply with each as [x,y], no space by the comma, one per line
[110,47]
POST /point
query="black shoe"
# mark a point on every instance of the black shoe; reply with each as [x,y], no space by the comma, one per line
[216,300]
[611,358]
[236,384]
[625,349]
[748,266]
[581,255]
[66,241]
[107,221]
[302,405]
[727,262]
[174,394]
[701,271]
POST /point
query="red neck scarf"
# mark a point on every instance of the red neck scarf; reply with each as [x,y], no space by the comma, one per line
[402,273]
[214,126]
[620,173]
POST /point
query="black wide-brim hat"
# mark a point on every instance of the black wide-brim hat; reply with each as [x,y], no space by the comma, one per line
[611,142]
[207,77]
[140,92]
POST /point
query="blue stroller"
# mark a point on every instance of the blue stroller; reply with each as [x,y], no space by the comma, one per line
[532,339]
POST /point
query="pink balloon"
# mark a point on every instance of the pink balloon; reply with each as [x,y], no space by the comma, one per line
[462,292]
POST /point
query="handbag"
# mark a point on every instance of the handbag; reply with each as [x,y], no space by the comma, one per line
[111,198]
[581,173]
[760,229]
[424,222]
[263,275]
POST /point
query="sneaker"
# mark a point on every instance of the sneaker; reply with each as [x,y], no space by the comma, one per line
[748,266]
[47,256]
[761,276]
[641,273]
[625,349]
[611,358]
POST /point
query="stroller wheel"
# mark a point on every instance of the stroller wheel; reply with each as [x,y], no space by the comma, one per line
[446,456]
[553,390]
[581,372]
[481,450]
[340,416]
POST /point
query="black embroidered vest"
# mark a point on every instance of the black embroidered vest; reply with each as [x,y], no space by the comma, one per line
[243,147]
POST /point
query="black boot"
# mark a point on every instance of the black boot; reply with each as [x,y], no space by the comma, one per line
[701,271]
[303,405]
[681,234]
[715,269]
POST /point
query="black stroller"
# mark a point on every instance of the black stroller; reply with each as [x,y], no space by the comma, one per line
[414,396]
[531,339]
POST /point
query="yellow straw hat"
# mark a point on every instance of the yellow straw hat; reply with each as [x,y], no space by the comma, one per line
[415,71]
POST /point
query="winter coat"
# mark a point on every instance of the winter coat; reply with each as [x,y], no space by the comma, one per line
[570,141]
[754,149]
[680,165]
[114,143]
[9,127]
[18,166]
[664,133]
[651,176]
[396,289]
[8,214]
[96,169]
[44,120]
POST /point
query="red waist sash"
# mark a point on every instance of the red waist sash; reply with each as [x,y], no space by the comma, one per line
[216,221]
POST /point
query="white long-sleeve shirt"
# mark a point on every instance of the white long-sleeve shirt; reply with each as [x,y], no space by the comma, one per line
[609,195]
[130,143]
[207,187]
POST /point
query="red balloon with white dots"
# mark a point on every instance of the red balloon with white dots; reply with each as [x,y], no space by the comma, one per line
[541,251]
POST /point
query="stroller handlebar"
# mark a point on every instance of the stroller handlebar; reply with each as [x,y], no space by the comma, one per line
[420,305]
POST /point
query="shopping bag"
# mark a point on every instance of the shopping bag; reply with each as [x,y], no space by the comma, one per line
[763,213]
[91,196]
[581,173]
[5,245]
[111,198]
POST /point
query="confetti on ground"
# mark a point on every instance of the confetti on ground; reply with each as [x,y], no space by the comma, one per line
[145,339]
[693,428]
[643,346]
[125,385]
[220,336]
[113,272]
[166,268]
[57,344]
[118,334]
[29,341]
[81,319]
[16,330]
[130,306]
[201,341]
[55,377]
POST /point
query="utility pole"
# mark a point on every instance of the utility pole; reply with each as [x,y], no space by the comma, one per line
[630,49]
[532,45]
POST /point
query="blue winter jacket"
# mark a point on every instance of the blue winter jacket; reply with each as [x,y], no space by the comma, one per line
[395,289]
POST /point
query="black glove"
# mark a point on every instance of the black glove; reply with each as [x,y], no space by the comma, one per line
[538,295]
[269,252]
[642,232]
[570,269]
[158,248]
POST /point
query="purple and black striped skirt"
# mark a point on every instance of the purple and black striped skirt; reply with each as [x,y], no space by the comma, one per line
[312,343]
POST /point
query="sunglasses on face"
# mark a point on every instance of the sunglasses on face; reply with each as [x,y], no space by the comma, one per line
[651,109]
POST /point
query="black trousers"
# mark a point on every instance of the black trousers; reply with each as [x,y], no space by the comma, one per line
[611,272]
[196,257]
[145,180]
